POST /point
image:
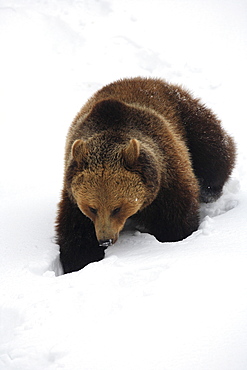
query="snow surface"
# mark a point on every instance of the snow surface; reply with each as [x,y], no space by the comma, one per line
[147,305]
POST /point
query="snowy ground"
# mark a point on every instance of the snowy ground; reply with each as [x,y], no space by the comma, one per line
[147,305]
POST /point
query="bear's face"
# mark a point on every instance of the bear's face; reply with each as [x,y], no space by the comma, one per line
[108,197]
[110,184]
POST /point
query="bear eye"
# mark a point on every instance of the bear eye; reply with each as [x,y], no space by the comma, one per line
[116,211]
[93,210]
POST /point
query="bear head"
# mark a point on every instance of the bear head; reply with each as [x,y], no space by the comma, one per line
[110,180]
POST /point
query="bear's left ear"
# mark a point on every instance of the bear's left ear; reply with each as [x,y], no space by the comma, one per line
[131,152]
[79,150]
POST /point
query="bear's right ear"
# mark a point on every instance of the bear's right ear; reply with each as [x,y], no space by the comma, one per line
[79,150]
[131,152]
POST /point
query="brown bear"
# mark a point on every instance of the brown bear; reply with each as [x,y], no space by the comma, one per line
[141,149]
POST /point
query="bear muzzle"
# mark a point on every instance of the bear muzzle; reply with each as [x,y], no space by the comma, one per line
[105,240]
[106,233]
[105,243]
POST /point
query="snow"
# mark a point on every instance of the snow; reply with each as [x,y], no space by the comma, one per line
[147,305]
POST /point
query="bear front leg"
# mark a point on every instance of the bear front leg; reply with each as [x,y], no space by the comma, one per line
[173,216]
[76,237]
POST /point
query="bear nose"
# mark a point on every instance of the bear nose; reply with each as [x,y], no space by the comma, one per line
[106,243]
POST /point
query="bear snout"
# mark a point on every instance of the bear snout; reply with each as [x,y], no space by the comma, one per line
[105,243]
[106,232]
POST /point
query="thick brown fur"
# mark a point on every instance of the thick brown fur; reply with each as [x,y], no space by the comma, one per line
[141,149]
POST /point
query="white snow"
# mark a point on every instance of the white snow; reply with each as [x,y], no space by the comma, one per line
[147,305]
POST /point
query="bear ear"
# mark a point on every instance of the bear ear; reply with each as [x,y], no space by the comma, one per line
[79,150]
[131,152]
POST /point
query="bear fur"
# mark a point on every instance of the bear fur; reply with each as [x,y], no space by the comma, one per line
[139,149]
